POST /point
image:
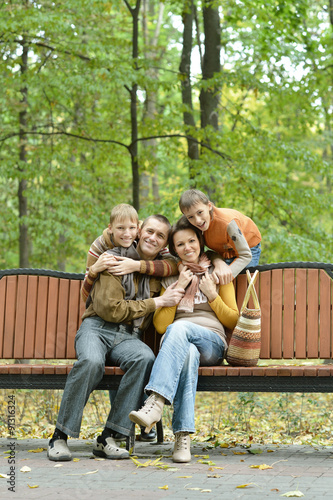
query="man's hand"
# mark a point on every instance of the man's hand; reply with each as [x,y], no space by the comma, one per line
[223,272]
[171,297]
[102,263]
[124,265]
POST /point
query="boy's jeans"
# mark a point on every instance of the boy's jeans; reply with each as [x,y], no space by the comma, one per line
[256,251]
[175,372]
[96,342]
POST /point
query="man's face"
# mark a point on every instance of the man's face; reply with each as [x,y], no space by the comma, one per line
[153,237]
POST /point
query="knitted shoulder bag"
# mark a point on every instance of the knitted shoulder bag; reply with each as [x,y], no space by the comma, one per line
[245,342]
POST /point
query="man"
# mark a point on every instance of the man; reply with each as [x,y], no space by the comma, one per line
[111,330]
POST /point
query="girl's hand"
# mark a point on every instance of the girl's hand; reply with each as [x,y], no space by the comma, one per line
[208,287]
[185,277]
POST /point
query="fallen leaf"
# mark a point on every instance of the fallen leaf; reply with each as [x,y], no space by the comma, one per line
[4,476]
[261,467]
[207,462]
[293,494]
[255,452]
[37,450]
[244,485]
[214,475]
[166,487]
[146,464]
[58,465]
[240,452]
[76,460]
[206,491]
[224,445]
[201,456]
[34,486]
[25,469]
[187,477]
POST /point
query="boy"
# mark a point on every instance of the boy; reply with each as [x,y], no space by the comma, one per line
[229,232]
[121,232]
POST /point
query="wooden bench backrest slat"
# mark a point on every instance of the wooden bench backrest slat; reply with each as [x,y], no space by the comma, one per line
[288,323]
[300,326]
[40,315]
[31,319]
[325,315]
[313,315]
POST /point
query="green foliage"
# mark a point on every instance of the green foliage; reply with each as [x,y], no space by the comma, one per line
[271,157]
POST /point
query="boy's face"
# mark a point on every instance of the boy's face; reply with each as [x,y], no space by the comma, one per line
[123,232]
[198,215]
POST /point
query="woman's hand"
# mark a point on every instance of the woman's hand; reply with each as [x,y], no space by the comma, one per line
[124,265]
[185,277]
[208,287]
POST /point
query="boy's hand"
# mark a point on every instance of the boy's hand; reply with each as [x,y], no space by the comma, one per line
[208,286]
[124,265]
[171,297]
[223,272]
[102,263]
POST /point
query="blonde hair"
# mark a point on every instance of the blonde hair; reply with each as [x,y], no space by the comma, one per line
[124,211]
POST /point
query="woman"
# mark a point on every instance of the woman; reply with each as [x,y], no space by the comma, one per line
[194,335]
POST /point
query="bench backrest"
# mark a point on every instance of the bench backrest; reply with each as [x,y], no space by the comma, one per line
[40,312]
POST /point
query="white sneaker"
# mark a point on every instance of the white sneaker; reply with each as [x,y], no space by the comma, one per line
[110,450]
[58,451]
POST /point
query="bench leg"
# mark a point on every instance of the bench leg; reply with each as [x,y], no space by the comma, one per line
[159,429]
[130,442]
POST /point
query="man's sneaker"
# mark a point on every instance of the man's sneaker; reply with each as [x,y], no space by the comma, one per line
[147,437]
[58,451]
[109,450]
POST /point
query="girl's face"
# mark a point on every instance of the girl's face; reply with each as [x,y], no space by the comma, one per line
[198,215]
[187,245]
[123,232]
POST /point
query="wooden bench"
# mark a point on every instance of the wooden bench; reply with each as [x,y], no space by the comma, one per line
[40,313]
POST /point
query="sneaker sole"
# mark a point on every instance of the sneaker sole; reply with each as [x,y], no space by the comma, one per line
[102,454]
[59,458]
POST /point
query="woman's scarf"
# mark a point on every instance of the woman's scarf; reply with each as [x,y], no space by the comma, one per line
[187,302]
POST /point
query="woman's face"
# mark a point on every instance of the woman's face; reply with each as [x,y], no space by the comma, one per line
[187,245]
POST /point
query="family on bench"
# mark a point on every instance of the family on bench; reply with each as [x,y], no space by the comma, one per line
[131,277]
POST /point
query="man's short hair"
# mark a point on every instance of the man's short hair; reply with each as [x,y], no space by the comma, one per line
[160,218]
[181,225]
[192,197]
[124,211]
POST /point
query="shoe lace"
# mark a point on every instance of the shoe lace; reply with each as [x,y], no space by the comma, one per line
[149,403]
[181,441]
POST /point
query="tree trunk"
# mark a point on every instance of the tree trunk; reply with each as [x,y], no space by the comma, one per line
[185,74]
[134,118]
[209,97]
[22,199]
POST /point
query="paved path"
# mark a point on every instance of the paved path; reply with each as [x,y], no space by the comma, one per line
[214,473]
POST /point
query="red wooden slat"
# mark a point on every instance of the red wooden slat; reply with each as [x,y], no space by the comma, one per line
[220,371]
[325,316]
[241,287]
[21,306]
[313,314]
[51,319]
[9,330]
[3,283]
[73,317]
[265,305]
[30,323]
[42,294]
[62,319]
[301,314]
[288,313]
[276,318]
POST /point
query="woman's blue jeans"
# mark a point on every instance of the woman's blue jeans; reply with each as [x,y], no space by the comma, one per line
[175,372]
[97,343]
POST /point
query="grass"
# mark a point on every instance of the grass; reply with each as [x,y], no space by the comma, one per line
[221,418]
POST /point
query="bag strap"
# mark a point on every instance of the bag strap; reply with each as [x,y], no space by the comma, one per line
[251,290]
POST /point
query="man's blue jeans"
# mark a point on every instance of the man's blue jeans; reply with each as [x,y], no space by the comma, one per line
[175,372]
[97,343]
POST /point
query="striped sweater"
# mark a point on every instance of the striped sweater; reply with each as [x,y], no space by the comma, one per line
[160,267]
